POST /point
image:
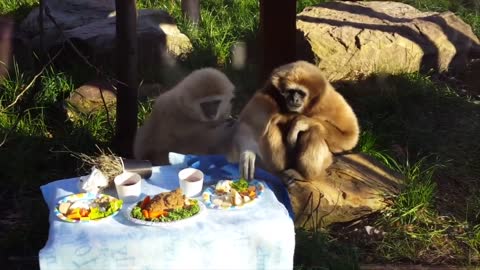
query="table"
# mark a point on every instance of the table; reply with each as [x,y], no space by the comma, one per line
[257,236]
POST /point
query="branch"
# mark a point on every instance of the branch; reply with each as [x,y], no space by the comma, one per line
[77,51]
[32,82]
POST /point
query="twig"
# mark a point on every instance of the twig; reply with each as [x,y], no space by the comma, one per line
[77,51]
[32,82]
[17,98]
[106,109]
[110,79]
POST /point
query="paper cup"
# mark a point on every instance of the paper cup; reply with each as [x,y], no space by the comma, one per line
[142,167]
[129,186]
[191,181]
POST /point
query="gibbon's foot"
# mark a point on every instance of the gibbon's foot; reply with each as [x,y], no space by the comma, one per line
[290,176]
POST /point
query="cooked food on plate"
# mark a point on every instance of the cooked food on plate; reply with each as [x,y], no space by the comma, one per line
[87,206]
[165,207]
[230,193]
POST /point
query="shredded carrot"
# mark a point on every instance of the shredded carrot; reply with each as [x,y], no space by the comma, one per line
[146,213]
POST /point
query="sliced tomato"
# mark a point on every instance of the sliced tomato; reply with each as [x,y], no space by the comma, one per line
[145,201]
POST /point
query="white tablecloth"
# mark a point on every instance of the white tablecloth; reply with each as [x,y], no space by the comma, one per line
[258,236]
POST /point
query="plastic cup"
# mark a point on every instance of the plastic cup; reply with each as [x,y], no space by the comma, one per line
[191,181]
[128,186]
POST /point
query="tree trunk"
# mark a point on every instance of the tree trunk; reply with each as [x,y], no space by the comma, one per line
[277,34]
[191,10]
[6,37]
[355,185]
[127,89]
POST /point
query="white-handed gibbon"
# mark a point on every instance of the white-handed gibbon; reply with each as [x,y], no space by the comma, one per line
[190,118]
[294,124]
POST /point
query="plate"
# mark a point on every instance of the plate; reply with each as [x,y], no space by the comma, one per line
[209,196]
[128,215]
[82,200]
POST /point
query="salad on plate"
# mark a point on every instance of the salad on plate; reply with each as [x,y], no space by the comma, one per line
[87,207]
[229,194]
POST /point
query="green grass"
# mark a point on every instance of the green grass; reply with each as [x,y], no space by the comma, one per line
[320,251]
[421,128]
[17,9]
[412,123]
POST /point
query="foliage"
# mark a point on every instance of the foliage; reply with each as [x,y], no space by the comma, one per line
[413,123]
[318,250]
[18,9]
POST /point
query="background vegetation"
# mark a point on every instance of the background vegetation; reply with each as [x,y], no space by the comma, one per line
[422,125]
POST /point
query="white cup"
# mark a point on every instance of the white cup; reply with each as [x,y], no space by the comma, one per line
[191,181]
[129,186]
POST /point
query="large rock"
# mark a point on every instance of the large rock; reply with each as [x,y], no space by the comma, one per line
[91,98]
[91,23]
[355,185]
[355,39]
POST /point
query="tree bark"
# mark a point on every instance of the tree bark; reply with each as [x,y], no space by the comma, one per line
[277,34]
[127,90]
[191,10]
[6,37]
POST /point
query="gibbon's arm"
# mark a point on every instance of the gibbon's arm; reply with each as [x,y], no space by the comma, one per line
[341,128]
[300,124]
[252,125]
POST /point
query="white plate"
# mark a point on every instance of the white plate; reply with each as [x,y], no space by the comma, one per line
[80,200]
[209,194]
[194,218]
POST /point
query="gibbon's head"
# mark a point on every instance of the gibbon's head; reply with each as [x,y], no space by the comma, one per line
[297,85]
[206,94]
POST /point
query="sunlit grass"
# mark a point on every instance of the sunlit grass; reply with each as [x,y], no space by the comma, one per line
[18,9]
[412,124]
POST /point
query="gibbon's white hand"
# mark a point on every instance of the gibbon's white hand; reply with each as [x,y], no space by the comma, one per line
[299,126]
[247,165]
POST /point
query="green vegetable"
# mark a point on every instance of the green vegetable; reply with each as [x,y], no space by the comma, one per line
[137,213]
[240,185]
[113,206]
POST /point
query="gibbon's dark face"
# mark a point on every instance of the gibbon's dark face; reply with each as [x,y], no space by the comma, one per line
[294,99]
[210,108]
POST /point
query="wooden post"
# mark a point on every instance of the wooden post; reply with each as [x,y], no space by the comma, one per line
[41,11]
[127,89]
[277,34]
[191,10]
[6,37]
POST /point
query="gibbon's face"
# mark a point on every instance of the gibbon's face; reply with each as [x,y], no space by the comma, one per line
[213,108]
[295,99]
[299,83]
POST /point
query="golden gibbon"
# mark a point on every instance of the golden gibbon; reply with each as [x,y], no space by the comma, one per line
[294,124]
[190,118]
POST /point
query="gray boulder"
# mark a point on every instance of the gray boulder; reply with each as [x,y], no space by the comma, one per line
[91,23]
[350,40]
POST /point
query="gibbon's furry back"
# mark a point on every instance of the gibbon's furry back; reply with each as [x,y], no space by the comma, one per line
[190,118]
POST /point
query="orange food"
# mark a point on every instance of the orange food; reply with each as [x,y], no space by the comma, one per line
[146,214]
[74,214]
[156,214]
[84,212]
[145,202]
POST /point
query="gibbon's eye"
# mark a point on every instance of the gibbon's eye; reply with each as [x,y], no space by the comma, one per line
[210,108]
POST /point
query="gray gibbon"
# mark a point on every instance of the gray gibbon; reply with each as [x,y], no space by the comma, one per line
[190,118]
[294,124]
